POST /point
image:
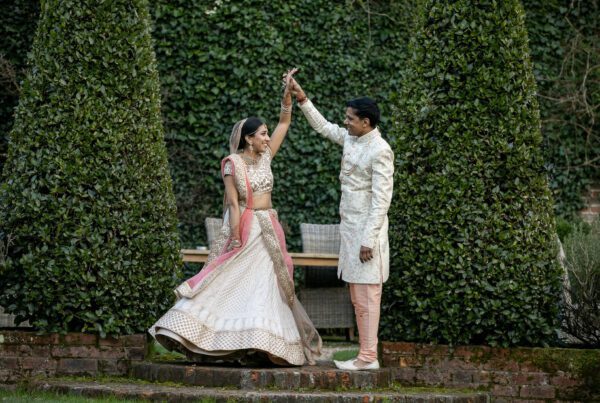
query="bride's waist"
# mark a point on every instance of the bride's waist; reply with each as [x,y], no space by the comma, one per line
[260,201]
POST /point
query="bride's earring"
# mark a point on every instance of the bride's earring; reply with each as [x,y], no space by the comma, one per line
[251,148]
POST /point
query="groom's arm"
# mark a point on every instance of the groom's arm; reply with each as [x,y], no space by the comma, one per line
[327,129]
[382,185]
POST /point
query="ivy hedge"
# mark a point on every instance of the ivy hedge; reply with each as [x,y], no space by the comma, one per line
[86,205]
[565,47]
[18,20]
[221,61]
[472,229]
[195,41]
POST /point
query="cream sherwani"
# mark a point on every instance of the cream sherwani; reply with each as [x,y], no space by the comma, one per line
[366,178]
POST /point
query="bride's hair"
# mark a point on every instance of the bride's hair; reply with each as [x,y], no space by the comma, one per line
[249,128]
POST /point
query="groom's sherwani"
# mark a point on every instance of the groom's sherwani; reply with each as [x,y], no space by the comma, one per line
[366,177]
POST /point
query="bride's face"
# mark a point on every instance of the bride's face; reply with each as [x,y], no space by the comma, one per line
[261,139]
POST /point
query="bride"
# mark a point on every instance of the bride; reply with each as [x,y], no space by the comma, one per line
[242,304]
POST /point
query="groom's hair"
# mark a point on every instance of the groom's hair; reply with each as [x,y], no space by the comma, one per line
[365,107]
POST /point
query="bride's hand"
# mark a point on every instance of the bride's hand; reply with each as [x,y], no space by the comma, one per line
[286,101]
[288,79]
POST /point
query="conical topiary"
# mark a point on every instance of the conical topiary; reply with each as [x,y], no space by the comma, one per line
[472,229]
[86,195]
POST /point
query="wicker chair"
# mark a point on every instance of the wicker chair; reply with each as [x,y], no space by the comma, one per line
[7,320]
[325,297]
[213,227]
[321,238]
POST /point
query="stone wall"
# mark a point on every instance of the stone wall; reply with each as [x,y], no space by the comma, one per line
[24,354]
[510,374]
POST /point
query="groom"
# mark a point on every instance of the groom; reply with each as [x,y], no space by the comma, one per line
[367,179]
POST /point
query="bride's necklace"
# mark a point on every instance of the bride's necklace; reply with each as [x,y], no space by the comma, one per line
[248,159]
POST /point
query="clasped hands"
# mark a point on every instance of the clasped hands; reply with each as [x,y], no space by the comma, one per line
[290,84]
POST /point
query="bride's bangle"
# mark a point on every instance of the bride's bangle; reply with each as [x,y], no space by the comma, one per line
[286,109]
[236,243]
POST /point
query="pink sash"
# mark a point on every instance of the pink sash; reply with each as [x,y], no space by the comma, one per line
[245,224]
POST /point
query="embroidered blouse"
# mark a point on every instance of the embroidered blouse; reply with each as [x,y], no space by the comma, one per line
[259,173]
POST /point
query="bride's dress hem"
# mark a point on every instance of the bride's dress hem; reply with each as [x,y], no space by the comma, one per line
[198,338]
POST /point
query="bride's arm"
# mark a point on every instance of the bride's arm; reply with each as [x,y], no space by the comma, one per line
[234,209]
[285,117]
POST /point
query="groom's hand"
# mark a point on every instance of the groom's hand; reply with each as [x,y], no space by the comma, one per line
[366,254]
[297,91]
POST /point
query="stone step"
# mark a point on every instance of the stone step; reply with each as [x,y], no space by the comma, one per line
[323,376]
[157,392]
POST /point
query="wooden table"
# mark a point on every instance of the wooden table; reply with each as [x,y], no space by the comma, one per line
[299,259]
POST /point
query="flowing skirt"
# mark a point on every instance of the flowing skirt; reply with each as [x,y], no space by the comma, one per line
[239,308]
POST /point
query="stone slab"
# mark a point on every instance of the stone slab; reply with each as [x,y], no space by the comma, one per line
[324,376]
[158,392]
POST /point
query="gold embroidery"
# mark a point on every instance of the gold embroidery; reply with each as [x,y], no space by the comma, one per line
[240,176]
[272,244]
[206,338]
[228,169]
[260,174]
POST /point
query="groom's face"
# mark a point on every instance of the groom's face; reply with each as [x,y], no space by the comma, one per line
[355,125]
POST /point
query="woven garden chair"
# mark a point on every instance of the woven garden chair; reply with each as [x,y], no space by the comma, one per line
[325,297]
[7,320]
[321,238]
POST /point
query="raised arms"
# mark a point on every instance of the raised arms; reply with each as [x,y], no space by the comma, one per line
[285,117]
[327,129]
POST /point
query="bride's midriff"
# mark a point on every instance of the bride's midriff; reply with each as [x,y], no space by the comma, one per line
[262,201]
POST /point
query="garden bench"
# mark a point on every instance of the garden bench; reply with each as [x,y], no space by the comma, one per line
[299,258]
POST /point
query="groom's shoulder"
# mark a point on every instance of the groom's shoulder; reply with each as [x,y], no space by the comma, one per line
[382,145]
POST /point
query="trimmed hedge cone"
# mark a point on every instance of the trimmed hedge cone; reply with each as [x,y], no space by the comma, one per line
[86,198]
[472,232]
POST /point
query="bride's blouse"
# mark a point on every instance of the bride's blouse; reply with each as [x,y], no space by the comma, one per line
[259,173]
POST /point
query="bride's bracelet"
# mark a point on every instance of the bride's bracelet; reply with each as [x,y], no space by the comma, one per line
[286,109]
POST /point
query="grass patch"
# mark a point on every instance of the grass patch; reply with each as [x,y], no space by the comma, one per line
[23,396]
[156,352]
[344,355]
[114,379]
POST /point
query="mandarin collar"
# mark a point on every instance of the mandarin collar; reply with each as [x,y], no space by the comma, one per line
[365,138]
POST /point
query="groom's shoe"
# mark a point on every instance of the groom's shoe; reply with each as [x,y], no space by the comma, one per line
[351,366]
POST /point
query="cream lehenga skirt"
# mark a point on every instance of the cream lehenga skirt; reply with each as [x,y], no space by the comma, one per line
[239,311]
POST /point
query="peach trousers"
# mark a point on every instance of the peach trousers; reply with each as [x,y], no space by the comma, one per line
[366,299]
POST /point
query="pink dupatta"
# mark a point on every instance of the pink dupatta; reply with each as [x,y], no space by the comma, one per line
[224,254]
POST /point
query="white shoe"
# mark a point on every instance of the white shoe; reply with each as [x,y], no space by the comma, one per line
[350,366]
